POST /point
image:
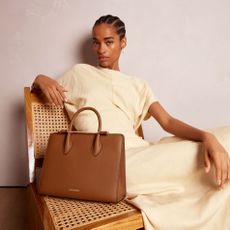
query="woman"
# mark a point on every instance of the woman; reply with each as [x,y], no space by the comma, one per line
[181,187]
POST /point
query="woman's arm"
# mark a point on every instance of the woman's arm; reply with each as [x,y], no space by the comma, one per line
[53,91]
[213,150]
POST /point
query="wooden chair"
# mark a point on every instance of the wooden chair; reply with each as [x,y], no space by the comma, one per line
[46,212]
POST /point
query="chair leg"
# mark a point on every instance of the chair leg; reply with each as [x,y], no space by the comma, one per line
[33,214]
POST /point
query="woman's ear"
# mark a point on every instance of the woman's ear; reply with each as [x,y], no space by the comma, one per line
[123,42]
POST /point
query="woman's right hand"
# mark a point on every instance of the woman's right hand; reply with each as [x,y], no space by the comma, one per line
[53,91]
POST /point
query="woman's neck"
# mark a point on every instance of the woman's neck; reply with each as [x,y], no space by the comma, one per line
[114,67]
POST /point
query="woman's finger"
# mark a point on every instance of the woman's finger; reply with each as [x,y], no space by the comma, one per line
[49,98]
[207,161]
[61,91]
[217,165]
[53,97]
[58,97]
[228,169]
[61,99]
[63,88]
[224,172]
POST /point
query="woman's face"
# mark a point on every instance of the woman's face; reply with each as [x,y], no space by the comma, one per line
[107,45]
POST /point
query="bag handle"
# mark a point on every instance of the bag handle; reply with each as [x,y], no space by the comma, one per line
[97,143]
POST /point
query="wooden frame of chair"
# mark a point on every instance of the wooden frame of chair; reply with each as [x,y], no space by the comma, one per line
[41,208]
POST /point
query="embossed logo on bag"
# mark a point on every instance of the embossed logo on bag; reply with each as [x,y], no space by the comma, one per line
[74,190]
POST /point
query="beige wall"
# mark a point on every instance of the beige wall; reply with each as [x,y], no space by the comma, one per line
[180,47]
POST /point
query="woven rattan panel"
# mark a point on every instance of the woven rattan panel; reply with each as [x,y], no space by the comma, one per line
[46,119]
[71,213]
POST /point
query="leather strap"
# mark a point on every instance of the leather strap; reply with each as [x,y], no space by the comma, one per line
[97,143]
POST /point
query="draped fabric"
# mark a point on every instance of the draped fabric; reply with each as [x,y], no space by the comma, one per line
[122,101]
[165,180]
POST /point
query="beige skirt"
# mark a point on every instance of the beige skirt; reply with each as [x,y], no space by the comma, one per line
[168,182]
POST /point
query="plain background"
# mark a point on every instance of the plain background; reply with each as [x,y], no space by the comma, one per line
[180,47]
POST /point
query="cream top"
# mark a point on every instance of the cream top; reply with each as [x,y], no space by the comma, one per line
[122,101]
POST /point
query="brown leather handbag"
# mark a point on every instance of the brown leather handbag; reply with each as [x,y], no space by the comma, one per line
[84,165]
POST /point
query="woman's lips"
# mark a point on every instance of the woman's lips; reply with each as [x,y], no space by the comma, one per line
[103,58]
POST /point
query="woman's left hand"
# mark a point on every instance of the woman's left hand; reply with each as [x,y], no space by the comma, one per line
[215,153]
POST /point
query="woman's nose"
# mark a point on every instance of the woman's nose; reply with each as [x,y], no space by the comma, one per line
[101,49]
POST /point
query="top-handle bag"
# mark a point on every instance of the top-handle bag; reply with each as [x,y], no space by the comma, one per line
[84,165]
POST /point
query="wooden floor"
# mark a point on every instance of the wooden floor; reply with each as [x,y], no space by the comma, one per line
[13,214]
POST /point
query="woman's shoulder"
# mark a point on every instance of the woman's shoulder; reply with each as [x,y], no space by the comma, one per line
[83,66]
[75,70]
[138,82]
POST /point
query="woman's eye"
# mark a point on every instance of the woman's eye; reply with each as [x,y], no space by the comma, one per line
[109,42]
[95,43]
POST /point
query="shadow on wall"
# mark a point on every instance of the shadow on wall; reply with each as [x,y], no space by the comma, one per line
[85,53]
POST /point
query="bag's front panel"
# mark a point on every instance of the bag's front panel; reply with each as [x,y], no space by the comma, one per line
[81,174]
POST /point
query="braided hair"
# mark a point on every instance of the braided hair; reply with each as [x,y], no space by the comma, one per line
[114,21]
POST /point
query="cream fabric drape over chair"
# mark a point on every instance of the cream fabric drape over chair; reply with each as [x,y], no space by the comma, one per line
[54,213]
